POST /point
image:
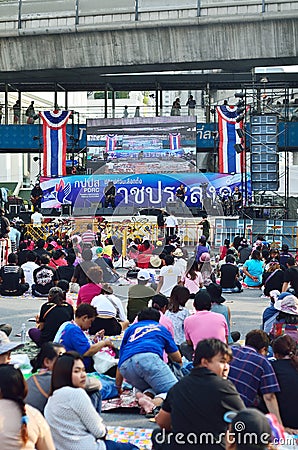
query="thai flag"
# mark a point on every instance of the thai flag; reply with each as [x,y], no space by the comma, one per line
[54,142]
[174,141]
[111,140]
[229,161]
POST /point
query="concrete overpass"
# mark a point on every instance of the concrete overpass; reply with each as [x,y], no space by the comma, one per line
[71,41]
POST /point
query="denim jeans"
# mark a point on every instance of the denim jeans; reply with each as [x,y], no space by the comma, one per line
[148,370]
[111,445]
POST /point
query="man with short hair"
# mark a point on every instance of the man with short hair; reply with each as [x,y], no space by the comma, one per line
[291,276]
[193,411]
[252,374]
[139,295]
[44,278]
[169,277]
[12,278]
[141,354]
[89,236]
[36,218]
[29,267]
[204,324]
[73,336]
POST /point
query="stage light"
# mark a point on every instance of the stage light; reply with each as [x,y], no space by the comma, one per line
[240,133]
[35,158]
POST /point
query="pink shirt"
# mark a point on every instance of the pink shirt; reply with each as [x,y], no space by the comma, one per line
[205,325]
[193,285]
[88,292]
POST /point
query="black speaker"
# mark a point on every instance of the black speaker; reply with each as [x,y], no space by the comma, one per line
[14,209]
[66,210]
[124,211]
[25,216]
[46,211]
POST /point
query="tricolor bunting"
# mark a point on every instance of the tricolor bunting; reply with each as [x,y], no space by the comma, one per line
[54,142]
[174,141]
[111,140]
[229,161]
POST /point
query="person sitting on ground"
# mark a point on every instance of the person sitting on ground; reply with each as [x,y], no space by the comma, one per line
[39,249]
[202,247]
[177,312]
[169,277]
[66,272]
[6,346]
[72,335]
[109,274]
[286,321]
[141,355]
[223,249]
[93,286]
[215,292]
[169,247]
[253,269]
[139,295]
[74,422]
[29,267]
[255,425]
[286,369]
[284,255]
[52,314]
[145,252]
[206,269]
[229,274]
[273,278]
[291,277]
[58,259]
[110,313]
[204,324]
[39,384]
[192,278]
[273,257]
[252,374]
[12,278]
[197,404]
[44,278]
[244,251]
[22,426]
[80,272]
[180,261]
[23,253]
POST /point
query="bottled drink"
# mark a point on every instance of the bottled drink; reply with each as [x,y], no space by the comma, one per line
[23,333]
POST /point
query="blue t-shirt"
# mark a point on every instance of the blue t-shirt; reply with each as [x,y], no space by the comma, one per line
[73,338]
[256,269]
[146,336]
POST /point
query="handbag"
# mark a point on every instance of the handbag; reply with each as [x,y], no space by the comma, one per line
[132,273]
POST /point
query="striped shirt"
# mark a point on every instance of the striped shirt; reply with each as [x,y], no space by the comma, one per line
[252,374]
[88,236]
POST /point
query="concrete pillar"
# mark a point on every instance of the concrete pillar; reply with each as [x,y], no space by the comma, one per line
[156,102]
[106,103]
[6,104]
[113,105]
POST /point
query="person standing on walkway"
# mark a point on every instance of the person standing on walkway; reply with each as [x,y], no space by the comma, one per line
[16,112]
[191,103]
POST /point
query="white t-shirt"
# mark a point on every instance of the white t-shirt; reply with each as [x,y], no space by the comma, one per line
[28,269]
[171,221]
[36,218]
[106,307]
[170,276]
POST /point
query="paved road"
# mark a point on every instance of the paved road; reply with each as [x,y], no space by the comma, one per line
[246,311]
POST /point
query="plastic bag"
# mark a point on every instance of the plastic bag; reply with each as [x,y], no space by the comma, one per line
[103,361]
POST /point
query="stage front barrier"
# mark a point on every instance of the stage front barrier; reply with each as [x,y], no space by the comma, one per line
[5,249]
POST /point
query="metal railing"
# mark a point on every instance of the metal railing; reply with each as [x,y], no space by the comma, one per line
[33,14]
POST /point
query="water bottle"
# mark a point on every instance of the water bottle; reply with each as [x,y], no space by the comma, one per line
[23,333]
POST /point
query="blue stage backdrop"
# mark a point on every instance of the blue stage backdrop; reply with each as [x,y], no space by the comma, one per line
[143,191]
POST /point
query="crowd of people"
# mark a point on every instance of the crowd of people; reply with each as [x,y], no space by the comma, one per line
[185,363]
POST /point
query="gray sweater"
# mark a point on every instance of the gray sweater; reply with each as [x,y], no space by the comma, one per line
[74,423]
